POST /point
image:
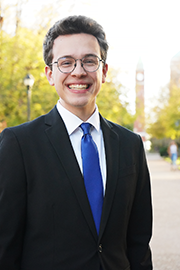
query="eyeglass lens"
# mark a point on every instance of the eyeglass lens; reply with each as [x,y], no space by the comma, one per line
[67,64]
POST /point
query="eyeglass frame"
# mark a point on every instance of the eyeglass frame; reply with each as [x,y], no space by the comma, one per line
[82,65]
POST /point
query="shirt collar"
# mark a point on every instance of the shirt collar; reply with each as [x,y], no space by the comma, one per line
[73,122]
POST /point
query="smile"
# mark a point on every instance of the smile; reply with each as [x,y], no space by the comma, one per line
[78,86]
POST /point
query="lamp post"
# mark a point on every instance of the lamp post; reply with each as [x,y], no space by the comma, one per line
[29,81]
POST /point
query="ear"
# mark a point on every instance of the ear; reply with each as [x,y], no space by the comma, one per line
[104,73]
[49,75]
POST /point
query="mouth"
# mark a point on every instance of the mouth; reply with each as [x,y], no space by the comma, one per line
[78,87]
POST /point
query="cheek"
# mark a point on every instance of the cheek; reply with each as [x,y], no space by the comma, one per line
[100,79]
[59,79]
[98,83]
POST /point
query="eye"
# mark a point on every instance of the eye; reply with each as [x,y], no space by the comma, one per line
[90,61]
[65,62]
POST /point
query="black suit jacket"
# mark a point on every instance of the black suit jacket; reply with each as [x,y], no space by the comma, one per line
[45,217]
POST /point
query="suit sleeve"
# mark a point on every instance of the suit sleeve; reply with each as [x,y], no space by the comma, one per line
[140,224]
[12,201]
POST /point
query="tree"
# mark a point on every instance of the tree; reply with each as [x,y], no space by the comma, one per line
[167,115]
[21,53]
[110,104]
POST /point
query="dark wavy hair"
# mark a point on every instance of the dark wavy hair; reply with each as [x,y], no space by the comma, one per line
[74,25]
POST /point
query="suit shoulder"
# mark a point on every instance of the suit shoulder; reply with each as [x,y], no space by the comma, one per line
[122,130]
[33,125]
[25,126]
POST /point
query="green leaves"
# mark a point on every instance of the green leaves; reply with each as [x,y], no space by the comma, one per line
[167,115]
[21,54]
[110,105]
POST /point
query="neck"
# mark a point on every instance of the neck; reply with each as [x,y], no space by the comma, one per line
[83,113]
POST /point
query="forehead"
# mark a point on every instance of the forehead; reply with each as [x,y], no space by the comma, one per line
[76,45]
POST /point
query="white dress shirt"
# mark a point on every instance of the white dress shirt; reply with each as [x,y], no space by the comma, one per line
[72,123]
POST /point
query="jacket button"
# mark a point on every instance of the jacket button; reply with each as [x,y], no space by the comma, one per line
[100,248]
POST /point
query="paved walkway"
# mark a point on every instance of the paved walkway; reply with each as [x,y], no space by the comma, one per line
[165,242]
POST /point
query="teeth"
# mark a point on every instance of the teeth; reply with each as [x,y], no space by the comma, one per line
[78,86]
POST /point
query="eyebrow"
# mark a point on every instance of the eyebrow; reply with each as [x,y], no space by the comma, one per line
[70,56]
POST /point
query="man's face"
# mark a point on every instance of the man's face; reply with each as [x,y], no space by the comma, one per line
[78,89]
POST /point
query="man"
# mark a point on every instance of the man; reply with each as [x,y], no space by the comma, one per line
[173,151]
[47,218]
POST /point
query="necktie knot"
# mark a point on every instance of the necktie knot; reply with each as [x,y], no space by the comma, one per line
[86,128]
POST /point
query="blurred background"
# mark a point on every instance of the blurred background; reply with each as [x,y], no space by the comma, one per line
[143,84]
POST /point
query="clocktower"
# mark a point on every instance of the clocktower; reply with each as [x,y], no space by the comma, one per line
[139,124]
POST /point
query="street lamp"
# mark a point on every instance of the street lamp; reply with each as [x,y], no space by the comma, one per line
[28,81]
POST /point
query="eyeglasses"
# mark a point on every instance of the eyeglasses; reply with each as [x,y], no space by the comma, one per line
[67,64]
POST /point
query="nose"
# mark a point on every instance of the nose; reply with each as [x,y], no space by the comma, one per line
[78,69]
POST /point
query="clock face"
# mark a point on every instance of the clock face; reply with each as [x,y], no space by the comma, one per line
[140,77]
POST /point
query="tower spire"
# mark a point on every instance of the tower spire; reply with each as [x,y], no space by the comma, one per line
[139,124]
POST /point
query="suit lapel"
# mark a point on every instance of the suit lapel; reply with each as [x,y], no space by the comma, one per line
[111,142]
[59,138]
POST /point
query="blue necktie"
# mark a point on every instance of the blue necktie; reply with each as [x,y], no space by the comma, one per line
[92,174]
